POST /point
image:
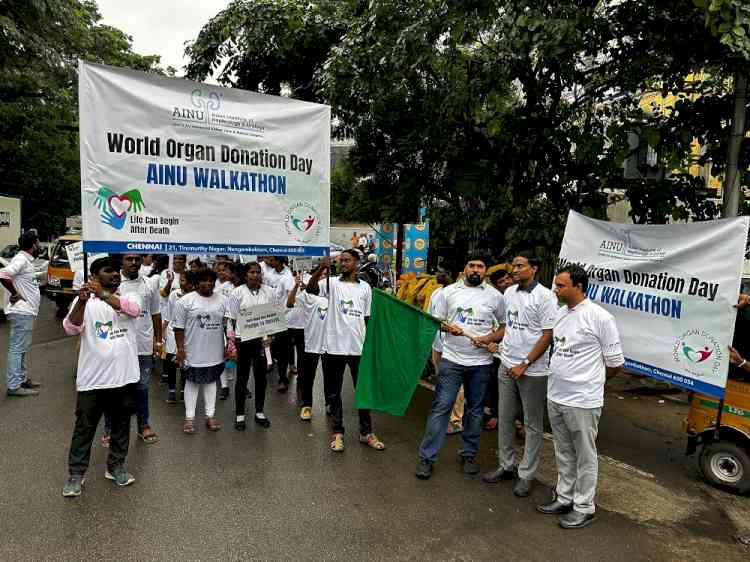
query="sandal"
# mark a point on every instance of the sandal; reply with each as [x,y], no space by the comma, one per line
[212,424]
[372,441]
[337,445]
[188,427]
[148,436]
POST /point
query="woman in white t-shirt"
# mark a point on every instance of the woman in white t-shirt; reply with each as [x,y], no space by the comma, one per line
[199,333]
[170,345]
[314,310]
[250,352]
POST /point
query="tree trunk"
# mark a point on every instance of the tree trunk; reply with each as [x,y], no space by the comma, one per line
[731,199]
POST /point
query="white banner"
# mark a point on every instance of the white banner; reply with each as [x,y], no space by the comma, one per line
[672,289]
[261,320]
[75,256]
[172,166]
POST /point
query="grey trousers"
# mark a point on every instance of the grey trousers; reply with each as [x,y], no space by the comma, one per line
[575,432]
[533,394]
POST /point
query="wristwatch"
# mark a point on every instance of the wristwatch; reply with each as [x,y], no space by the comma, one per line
[526,362]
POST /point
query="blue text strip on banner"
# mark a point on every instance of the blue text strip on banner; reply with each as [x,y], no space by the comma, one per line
[674,378]
[144,247]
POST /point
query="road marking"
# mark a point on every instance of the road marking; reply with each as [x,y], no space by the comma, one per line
[603,458]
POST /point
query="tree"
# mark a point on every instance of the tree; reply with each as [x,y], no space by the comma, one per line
[40,42]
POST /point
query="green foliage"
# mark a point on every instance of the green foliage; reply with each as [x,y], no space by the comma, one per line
[40,42]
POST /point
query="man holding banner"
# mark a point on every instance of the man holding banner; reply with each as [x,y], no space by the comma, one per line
[587,350]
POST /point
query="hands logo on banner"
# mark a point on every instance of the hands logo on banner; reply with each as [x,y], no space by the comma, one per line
[115,207]
[696,356]
[303,225]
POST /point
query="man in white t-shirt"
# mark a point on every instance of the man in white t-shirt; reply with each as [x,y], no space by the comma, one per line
[149,336]
[22,300]
[279,277]
[169,279]
[587,351]
[108,374]
[531,311]
[473,315]
[349,302]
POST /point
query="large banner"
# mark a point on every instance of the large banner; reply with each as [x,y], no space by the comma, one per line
[672,290]
[416,246]
[172,166]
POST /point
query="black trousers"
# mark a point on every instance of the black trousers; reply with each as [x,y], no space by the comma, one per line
[333,378]
[297,341]
[307,377]
[250,354]
[280,351]
[170,369]
[491,396]
[119,404]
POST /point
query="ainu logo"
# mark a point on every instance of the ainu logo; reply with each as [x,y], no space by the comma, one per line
[698,352]
[625,248]
[202,102]
[345,306]
[302,222]
[322,312]
[203,320]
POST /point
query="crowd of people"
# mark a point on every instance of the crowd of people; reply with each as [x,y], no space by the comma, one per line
[506,342]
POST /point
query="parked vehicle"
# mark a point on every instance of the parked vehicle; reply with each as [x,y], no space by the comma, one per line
[724,456]
[60,276]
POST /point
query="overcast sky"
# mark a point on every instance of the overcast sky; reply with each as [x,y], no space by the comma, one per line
[160,27]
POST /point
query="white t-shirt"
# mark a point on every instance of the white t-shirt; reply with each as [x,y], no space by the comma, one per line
[478,311]
[295,317]
[20,271]
[275,279]
[348,306]
[145,270]
[527,314]
[586,341]
[149,300]
[314,310]
[224,289]
[362,241]
[202,318]
[167,315]
[243,298]
[109,351]
[435,299]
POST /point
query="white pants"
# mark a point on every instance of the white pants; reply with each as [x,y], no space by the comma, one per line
[191,398]
[574,430]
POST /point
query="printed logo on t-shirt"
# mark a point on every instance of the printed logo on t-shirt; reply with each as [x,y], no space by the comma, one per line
[347,308]
[322,312]
[562,348]
[463,314]
[204,321]
[513,323]
[103,329]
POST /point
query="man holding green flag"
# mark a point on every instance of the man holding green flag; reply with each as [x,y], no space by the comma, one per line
[470,309]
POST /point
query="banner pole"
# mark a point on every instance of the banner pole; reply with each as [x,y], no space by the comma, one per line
[85,267]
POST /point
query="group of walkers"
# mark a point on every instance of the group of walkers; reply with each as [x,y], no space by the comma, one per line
[553,350]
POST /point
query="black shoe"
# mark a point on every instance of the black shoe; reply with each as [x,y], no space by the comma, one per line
[470,464]
[172,397]
[224,393]
[263,422]
[240,425]
[521,488]
[497,475]
[424,470]
[28,383]
[576,520]
[248,394]
[283,387]
[555,507]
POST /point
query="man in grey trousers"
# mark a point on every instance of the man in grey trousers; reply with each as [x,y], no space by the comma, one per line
[531,310]
[587,351]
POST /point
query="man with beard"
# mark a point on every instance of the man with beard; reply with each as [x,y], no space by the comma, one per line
[107,375]
[22,300]
[469,309]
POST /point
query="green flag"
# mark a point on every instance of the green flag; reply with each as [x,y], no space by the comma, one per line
[397,346]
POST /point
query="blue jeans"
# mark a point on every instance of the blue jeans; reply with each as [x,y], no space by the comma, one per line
[450,378]
[146,365]
[19,342]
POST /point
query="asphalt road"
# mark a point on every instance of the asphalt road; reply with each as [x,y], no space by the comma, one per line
[279,494]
